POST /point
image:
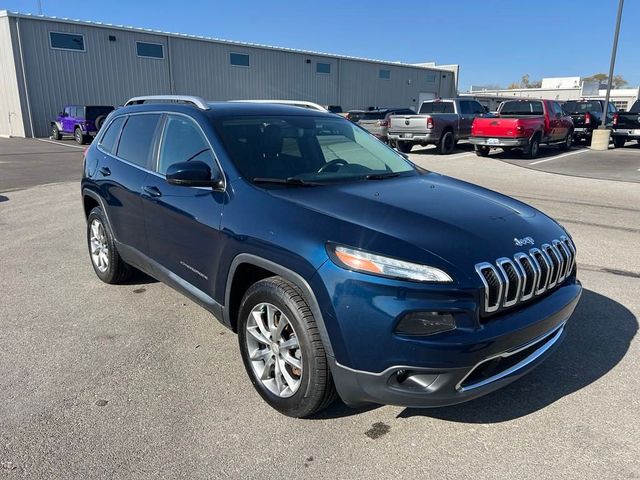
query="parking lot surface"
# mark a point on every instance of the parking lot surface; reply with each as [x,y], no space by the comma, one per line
[135,381]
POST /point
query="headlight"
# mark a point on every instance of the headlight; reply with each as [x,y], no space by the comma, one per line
[361,261]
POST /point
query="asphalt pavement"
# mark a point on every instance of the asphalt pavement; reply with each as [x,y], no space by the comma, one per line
[136,382]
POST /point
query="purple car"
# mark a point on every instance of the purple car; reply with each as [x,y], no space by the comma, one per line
[81,121]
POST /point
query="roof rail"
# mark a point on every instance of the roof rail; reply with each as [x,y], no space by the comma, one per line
[295,103]
[196,101]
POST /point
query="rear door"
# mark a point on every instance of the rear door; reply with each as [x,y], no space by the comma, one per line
[121,175]
[183,223]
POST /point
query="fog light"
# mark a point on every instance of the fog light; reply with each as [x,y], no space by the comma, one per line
[425,323]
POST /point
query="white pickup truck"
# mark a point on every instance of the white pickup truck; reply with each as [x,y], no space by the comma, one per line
[438,122]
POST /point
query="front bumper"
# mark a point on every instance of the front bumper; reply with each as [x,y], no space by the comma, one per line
[413,137]
[499,141]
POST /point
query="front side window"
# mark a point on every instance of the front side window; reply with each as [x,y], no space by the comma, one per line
[239,59]
[182,141]
[384,74]
[108,140]
[66,41]
[136,139]
[313,149]
[150,50]
[323,68]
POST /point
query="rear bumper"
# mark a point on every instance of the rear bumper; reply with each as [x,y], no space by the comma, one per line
[415,137]
[626,132]
[512,355]
[499,141]
[582,132]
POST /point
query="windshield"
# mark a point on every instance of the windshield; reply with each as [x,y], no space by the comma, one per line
[582,107]
[95,112]
[636,107]
[522,108]
[436,107]
[313,149]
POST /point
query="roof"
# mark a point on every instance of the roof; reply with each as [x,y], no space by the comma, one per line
[7,13]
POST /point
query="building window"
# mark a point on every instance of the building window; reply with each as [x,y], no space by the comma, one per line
[150,50]
[239,59]
[66,41]
[323,67]
[430,78]
[384,74]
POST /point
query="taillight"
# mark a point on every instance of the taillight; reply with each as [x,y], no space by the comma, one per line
[519,129]
[429,123]
[383,123]
[587,118]
[84,152]
[615,119]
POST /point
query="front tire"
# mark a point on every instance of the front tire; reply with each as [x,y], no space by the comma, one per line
[281,349]
[106,261]
[405,147]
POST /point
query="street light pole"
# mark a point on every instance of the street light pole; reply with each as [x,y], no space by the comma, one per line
[613,63]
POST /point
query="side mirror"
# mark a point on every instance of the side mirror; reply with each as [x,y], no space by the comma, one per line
[193,174]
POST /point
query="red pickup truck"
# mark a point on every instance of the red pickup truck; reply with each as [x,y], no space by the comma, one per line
[523,124]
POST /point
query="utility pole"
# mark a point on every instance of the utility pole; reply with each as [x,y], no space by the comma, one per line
[613,63]
[39,7]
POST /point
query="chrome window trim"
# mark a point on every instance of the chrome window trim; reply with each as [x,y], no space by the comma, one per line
[479,268]
[500,262]
[555,335]
[532,254]
[155,160]
[519,258]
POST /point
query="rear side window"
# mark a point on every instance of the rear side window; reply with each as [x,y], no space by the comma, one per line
[373,115]
[522,108]
[437,107]
[137,138]
[108,141]
[182,141]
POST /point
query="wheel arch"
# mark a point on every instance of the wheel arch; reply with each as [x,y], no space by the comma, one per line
[246,269]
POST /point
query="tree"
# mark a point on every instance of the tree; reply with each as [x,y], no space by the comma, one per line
[617,82]
[525,82]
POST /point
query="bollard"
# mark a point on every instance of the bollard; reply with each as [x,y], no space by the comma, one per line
[600,139]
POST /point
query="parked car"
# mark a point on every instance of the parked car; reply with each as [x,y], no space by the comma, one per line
[523,124]
[587,116]
[376,122]
[438,122]
[334,109]
[626,126]
[354,115]
[81,121]
[342,266]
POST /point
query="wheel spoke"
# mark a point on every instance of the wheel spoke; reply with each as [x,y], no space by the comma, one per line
[271,319]
[265,375]
[293,361]
[257,334]
[257,316]
[278,375]
[290,344]
[290,381]
[260,354]
[277,333]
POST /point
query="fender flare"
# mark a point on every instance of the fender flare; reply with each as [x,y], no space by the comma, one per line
[58,124]
[86,192]
[288,275]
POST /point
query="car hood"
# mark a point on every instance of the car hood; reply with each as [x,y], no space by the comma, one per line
[460,223]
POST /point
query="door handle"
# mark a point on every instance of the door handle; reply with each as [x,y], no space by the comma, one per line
[105,171]
[152,191]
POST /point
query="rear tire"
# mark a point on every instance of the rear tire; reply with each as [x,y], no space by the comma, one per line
[282,351]
[482,151]
[79,137]
[447,143]
[55,132]
[618,142]
[405,147]
[532,150]
[566,144]
[106,261]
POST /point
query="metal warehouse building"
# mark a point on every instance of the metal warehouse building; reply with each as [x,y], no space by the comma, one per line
[47,62]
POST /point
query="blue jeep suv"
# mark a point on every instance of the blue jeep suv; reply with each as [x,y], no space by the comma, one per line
[344,268]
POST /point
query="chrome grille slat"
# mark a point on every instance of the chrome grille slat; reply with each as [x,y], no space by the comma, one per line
[509,281]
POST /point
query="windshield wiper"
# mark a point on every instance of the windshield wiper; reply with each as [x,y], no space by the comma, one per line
[286,181]
[381,176]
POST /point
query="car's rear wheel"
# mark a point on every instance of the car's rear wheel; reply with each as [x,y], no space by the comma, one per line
[105,258]
[447,143]
[482,151]
[405,147]
[281,349]
[566,144]
[532,150]
[55,132]
[619,142]
[79,136]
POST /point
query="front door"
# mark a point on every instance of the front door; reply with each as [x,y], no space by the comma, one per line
[67,120]
[183,223]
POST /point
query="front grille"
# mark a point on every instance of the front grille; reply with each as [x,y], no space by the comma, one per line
[511,281]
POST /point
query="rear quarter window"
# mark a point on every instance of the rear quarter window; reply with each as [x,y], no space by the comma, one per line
[136,139]
[108,140]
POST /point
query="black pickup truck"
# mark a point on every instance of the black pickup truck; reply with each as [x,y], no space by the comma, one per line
[626,126]
[587,116]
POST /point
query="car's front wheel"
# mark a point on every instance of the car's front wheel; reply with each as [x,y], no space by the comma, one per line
[105,258]
[281,349]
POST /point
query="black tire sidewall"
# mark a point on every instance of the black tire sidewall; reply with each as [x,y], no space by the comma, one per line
[263,292]
[78,136]
[405,147]
[443,149]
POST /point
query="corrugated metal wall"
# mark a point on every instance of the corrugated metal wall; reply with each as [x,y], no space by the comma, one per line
[11,115]
[110,72]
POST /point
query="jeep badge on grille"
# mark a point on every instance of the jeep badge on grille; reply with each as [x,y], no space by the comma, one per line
[523,241]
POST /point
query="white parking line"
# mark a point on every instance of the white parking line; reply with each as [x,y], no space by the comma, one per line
[58,143]
[559,156]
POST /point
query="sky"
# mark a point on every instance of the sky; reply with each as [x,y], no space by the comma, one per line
[495,42]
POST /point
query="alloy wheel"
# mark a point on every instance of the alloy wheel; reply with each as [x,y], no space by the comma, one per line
[274,350]
[99,246]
